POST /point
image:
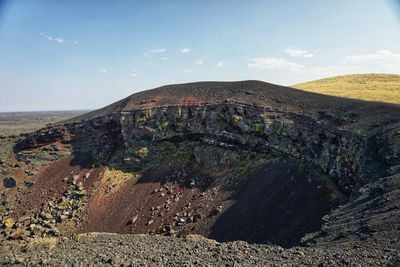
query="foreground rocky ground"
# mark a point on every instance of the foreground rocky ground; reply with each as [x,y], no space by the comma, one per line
[143,250]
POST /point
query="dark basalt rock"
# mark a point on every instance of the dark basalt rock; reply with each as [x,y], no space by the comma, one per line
[9,182]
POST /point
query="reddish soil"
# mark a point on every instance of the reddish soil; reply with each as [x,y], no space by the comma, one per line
[114,211]
[49,183]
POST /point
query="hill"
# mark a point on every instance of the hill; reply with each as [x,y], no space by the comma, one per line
[370,87]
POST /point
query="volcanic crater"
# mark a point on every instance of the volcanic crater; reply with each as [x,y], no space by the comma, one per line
[230,161]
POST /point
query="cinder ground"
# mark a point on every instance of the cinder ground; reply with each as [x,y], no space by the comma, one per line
[97,249]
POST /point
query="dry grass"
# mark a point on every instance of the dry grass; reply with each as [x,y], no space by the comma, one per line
[371,87]
[114,179]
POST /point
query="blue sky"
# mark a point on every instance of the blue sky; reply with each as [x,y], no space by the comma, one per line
[81,54]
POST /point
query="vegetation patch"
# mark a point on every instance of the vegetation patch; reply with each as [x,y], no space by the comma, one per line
[142,152]
[113,179]
[248,161]
[236,119]
[167,152]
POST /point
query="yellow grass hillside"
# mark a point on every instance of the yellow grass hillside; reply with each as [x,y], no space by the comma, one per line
[371,87]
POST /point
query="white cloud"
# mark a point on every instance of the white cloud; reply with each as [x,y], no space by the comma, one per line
[158,50]
[199,62]
[334,70]
[379,61]
[380,55]
[102,70]
[165,58]
[273,63]
[220,64]
[185,50]
[187,71]
[298,53]
[59,40]
[133,73]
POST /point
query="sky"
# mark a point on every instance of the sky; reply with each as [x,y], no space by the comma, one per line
[81,54]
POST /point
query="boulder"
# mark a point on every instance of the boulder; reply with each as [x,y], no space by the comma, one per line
[9,182]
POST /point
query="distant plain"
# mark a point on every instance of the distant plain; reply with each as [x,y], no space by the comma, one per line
[15,123]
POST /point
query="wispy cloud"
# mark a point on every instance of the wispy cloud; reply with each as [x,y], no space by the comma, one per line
[378,61]
[381,61]
[380,55]
[59,40]
[102,70]
[273,63]
[133,73]
[165,58]
[186,50]
[220,64]
[199,62]
[298,53]
[187,71]
[333,70]
[158,50]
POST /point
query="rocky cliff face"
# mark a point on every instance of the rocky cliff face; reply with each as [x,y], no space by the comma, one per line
[250,162]
[341,153]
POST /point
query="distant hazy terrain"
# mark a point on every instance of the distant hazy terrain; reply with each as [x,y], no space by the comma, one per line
[371,87]
[14,123]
